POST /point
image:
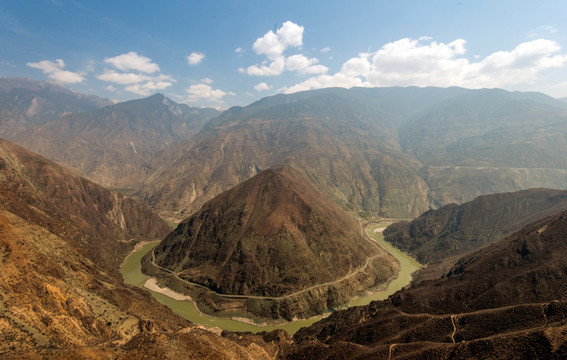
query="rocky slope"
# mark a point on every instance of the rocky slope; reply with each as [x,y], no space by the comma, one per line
[345,148]
[506,301]
[27,104]
[395,151]
[77,210]
[111,145]
[274,236]
[457,229]
[61,241]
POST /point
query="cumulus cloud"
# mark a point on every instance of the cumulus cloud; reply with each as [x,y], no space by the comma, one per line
[276,67]
[325,50]
[204,93]
[273,45]
[55,71]
[424,62]
[238,50]
[195,58]
[138,74]
[304,65]
[133,61]
[262,86]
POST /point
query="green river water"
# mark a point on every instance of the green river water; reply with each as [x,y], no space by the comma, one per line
[132,273]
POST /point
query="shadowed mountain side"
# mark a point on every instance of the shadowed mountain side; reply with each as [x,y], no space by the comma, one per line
[27,104]
[505,300]
[273,236]
[111,145]
[456,229]
[104,224]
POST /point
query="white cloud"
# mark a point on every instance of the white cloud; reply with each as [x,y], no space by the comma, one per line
[541,31]
[121,78]
[195,58]
[206,81]
[110,88]
[325,50]
[304,65]
[273,44]
[149,87]
[424,62]
[205,93]
[276,67]
[262,86]
[238,50]
[133,61]
[141,79]
[55,71]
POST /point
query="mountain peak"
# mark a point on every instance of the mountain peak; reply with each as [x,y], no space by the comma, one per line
[275,235]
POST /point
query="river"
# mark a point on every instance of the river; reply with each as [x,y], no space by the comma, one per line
[132,272]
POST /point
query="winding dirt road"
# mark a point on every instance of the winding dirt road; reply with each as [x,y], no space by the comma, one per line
[245,297]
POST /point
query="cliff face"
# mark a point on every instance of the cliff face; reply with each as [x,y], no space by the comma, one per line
[272,236]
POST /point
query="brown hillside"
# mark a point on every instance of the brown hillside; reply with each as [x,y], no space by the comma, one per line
[104,224]
[506,301]
[61,241]
[457,229]
[272,235]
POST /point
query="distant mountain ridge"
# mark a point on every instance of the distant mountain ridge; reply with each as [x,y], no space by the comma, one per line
[27,104]
[110,145]
[394,151]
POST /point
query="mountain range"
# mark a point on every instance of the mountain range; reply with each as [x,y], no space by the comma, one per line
[271,197]
[27,104]
[365,148]
[110,145]
[393,151]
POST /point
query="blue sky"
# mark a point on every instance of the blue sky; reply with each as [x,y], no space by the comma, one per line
[224,53]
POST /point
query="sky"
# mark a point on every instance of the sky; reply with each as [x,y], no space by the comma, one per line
[225,53]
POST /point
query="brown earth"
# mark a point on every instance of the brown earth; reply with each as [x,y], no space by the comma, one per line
[273,236]
[62,239]
[440,237]
[506,301]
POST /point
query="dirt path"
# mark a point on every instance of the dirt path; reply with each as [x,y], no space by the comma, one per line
[227,296]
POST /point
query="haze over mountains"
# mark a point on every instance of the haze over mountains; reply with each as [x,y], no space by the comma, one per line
[395,151]
[27,104]
[262,191]
[364,148]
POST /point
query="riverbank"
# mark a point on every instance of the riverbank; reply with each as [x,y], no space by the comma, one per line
[131,270]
